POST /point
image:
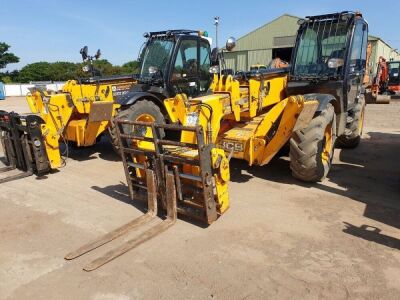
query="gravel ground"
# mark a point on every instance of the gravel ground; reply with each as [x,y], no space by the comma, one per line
[280,239]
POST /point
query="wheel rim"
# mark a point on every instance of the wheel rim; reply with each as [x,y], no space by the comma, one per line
[327,145]
[144,130]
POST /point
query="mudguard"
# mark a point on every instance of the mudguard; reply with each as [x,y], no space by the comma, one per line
[133,96]
[323,100]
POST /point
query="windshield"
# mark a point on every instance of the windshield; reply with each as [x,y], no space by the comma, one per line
[394,69]
[156,55]
[319,42]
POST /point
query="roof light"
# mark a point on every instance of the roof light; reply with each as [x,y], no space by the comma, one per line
[301,22]
[203,33]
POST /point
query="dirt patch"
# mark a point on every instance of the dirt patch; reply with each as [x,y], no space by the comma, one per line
[280,238]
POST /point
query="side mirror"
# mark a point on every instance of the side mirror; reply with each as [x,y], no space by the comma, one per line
[98,54]
[334,63]
[84,52]
[214,56]
[230,43]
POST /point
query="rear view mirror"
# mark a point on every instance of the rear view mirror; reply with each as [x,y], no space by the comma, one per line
[335,63]
[230,43]
[84,52]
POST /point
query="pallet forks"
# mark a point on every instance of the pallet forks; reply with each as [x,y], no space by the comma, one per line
[157,168]
[22,142]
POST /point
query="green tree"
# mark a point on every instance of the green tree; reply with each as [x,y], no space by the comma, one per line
[40,71]
[62,71]
[102,65]
[131,67]
[6,57]
[9,77]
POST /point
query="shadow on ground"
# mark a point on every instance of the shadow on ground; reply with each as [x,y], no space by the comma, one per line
[369,174]
[103,148]
[372,234]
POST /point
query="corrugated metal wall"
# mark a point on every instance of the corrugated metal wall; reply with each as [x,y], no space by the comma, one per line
[241,60]
[379,48]
[259,57]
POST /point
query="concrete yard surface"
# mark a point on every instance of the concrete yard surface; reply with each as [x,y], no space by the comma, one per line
[280,239]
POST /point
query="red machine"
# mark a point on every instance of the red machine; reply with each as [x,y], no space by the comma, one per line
[377,90]
[379,85]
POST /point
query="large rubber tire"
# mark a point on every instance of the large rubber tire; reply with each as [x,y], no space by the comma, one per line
[354,127]
[311,152]
[134,113]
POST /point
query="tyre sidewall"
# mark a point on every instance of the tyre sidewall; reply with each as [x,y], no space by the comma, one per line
[307,145]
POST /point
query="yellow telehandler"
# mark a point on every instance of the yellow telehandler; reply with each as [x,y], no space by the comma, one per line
[250,117]
[80,113]
[84,109]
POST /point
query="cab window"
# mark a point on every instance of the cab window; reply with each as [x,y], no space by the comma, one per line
[186,60]
[190,74]
[359,48]
[204,68]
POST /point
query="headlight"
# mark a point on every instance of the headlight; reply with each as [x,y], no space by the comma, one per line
[153,70]
[214,70]
[37,143]
[334,63]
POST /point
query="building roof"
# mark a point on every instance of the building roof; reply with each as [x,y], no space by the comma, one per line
[262,26]
[377,38]
[285,25]
[263,36]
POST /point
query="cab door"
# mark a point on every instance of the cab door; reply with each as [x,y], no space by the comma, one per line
[190,70]
[357,63]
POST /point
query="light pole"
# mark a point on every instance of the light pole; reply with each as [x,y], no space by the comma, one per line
[216,23]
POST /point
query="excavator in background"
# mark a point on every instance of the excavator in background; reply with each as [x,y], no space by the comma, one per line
[377,90]
[314,105]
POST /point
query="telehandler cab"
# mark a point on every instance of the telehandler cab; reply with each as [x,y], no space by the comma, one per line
[250,117]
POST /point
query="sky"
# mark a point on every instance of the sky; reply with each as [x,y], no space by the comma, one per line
[55,30]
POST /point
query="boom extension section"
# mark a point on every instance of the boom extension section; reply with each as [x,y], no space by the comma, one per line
[79,114]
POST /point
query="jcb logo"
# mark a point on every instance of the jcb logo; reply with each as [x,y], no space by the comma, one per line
[232,145]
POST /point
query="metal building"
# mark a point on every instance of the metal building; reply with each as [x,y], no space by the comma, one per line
[261,45]
[380,48]
[277,38]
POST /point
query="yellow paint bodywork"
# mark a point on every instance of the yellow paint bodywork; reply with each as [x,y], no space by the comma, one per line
[79,114]
[250,120]
[221,164]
